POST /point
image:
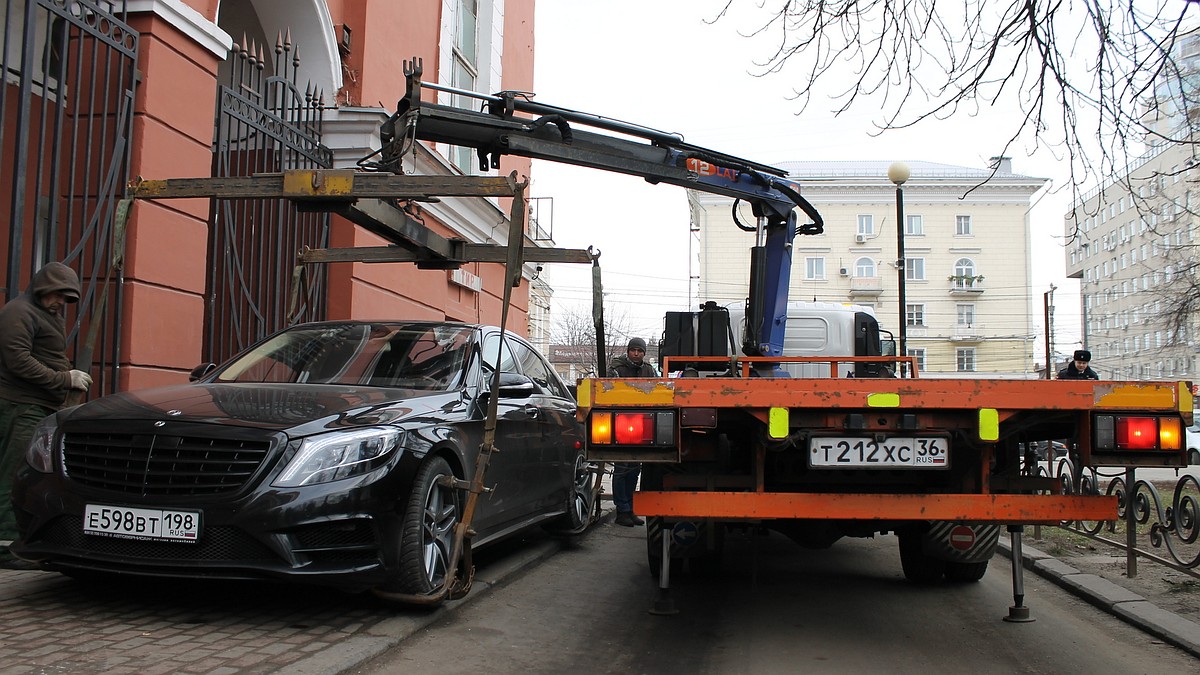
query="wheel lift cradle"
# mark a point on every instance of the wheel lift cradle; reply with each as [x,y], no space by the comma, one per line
[366,199]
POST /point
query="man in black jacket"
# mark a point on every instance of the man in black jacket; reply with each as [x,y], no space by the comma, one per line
[625,474]
[1079,369]
[35,374]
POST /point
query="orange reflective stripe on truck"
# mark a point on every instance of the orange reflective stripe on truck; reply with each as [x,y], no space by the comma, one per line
[925,394]
[1002,508]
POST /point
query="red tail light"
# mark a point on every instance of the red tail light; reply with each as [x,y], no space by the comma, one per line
[1137,433]
[634,428]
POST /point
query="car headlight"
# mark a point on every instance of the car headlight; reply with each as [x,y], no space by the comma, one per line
[40,453]
[339,455]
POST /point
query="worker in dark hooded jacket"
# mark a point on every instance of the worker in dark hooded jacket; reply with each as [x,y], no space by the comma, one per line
[626,474]
[35,374]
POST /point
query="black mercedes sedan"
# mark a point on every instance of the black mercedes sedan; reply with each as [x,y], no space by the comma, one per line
[334,453]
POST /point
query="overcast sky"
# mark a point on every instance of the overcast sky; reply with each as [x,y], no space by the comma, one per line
[661,64]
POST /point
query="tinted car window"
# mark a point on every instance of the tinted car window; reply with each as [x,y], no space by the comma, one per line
[379,355]
[536,369]
[508,364]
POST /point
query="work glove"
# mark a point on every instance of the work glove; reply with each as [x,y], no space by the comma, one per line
[80,380]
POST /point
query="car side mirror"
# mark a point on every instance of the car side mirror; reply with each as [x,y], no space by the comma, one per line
[200,371]
[514,385]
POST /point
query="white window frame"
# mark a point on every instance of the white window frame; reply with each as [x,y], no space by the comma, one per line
[964,314]
[814,268]
[866,224]
[919,354]
[914,269]
[962,226]
[914,314]
[864,267]
[964,359]
[914,225]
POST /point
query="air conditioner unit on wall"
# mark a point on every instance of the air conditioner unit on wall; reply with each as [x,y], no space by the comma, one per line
[860,238]
[845,271]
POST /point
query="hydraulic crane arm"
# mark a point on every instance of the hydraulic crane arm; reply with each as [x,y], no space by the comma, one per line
[512,124]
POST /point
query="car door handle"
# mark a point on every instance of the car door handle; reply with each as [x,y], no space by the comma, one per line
[532,410]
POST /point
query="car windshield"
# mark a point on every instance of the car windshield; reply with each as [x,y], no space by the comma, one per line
[408,356]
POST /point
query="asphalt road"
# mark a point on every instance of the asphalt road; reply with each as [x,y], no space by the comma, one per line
[776,608]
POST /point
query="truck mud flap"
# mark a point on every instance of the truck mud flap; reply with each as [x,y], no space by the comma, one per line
[958,542]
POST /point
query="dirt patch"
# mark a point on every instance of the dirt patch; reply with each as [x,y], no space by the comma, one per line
[1170,589]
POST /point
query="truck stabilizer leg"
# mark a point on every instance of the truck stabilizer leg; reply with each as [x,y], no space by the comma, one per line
[664,605]
[1018,613]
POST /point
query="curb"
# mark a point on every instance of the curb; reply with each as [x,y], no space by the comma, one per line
[1104,594]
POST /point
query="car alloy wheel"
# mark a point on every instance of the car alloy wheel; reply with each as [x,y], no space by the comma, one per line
[429,523]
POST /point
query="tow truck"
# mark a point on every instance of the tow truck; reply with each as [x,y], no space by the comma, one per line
[733,440]
[817,445]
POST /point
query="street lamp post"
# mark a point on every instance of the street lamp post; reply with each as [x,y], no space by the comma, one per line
[899,173]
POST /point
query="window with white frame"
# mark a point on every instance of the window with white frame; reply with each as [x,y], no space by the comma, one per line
[914,225]
[964,314]
[914,269]
[964,273]
[814,268]
[914,314]
[465,71]
[964,358]
[864,267]
[866,224]
[919,354]
[962,225]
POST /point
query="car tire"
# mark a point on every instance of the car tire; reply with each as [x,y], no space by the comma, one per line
[581,501]
[918,566]
[430,519]
[962,572]
[1193,456]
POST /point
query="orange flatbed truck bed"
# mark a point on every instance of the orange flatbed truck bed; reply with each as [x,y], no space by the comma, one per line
[980,408]
[821,458]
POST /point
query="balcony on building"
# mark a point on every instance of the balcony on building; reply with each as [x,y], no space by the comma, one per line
[966,285]
[866,287]
[968,333]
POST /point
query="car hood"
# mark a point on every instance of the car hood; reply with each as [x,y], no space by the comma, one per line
[298,409]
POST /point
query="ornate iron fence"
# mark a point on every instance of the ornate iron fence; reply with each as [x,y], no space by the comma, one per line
[265,124]
[66,115]
[1163,530]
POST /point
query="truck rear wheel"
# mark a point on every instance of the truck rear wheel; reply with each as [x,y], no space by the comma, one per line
[920,567]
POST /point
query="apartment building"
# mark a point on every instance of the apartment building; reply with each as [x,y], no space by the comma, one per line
[1131,241]
[968,309]
[1131,245]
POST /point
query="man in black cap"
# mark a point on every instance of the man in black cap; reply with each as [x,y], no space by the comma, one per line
[625,474]
[1079,369]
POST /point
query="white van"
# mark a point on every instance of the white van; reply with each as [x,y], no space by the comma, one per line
[1193,440]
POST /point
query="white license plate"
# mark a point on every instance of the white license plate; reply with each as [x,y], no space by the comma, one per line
[149,524]
[922,452]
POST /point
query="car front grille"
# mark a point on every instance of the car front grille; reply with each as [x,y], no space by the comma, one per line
[162,465]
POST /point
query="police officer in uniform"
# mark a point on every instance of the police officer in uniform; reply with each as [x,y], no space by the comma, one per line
[1079,369]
